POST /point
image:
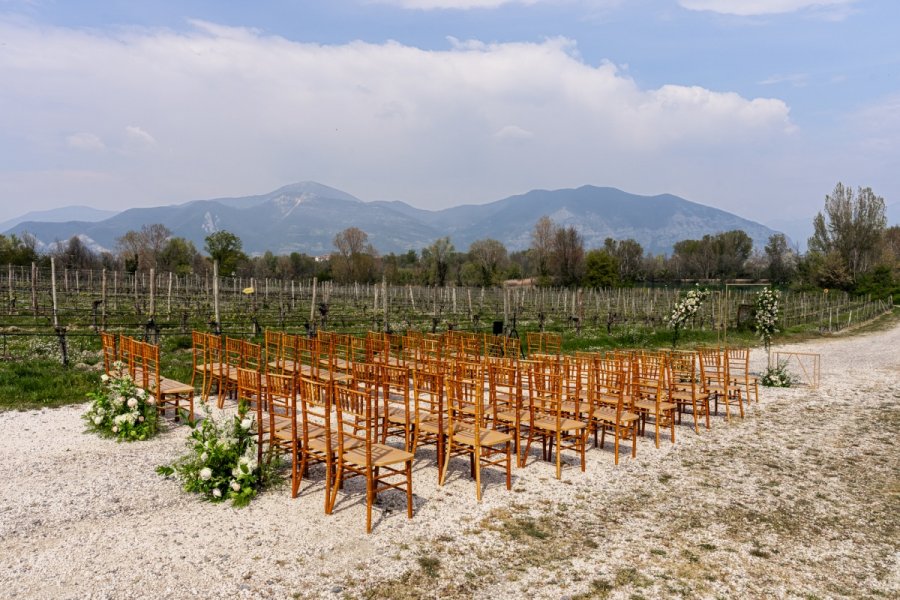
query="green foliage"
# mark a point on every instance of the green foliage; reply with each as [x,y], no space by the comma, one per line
[880,283]
[851,229]
[222,462]
[121,409]
[601,269]
[226,248]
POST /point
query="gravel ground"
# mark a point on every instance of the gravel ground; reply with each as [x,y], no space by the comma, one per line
[800,499]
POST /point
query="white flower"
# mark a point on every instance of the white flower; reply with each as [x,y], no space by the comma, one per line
[141,393]
[132,402]
[244,460]
[235,486]
[205,473]
[141,419]
[98,420]
[151,400]
[236,472]
[104,378]
[217,492]
[115,429]
[204,457]
[246,423]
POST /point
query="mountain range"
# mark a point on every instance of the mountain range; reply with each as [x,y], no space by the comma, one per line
[304,217]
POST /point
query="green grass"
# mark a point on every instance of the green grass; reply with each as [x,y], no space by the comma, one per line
[41,383]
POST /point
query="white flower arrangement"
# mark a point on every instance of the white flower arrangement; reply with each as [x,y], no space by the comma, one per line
[686,309]
[222,462]
[120,409]
[766,312]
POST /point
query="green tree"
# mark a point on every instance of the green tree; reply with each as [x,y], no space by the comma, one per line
[227,249]
[601,269]
[178,256]
[780,260]
[852,226]
[437,257]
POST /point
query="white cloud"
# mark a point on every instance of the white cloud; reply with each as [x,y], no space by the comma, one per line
[139,136]
[513,133]
[231,111]
[794,80]
[85,141]
[747,8]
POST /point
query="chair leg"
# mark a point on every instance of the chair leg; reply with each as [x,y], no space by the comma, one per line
[477,451]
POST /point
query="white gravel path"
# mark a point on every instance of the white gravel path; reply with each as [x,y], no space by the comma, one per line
[800,499]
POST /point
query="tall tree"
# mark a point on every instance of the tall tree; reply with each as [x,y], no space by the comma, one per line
[489,258]
[542,246]
[568,255]
[780,260]
[629,255]
[226,248]
[355,260]
[437,257]
[852,227]
[141,249]
[601,269]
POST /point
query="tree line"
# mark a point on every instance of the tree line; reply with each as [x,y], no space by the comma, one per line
[851,249]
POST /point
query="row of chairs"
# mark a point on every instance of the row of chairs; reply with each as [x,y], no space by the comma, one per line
[141,361]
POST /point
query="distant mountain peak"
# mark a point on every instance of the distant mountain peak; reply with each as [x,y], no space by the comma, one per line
[306,216]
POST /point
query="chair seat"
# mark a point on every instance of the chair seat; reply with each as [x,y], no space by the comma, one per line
[509,416]
[549,424]
[396,414]
[382,455]
[650,406]
[431,426]
[608,415]
[170,387]
[487,437]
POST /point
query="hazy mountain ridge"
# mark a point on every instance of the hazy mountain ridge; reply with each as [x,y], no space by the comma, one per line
[304,217]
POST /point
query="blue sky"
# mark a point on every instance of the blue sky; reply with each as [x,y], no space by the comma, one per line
[755,106]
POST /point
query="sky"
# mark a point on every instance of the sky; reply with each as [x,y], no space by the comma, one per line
[757,107]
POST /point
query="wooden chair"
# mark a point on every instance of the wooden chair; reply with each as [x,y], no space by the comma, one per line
[250,390]
[685,387]
[281,405]
[543,343]
[315,433]
[505,395]
[469,432]
[395,382]
[610,405]
[273,347]
[360,453]
[429,418]
[550,413]
[717,383]
[168,392]
[650,393]
[739,373]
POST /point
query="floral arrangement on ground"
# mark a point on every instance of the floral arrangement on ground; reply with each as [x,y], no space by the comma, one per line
[222,462]
[121,409]
[777,376]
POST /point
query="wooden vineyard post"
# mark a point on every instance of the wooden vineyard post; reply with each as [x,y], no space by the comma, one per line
[34,302]
[60,331]
[169,297]
[215,287]
[312,305]
[152,293]
[12,296]
[103,299]
[387,326]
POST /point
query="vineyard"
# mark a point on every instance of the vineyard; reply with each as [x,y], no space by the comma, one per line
[73,304]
